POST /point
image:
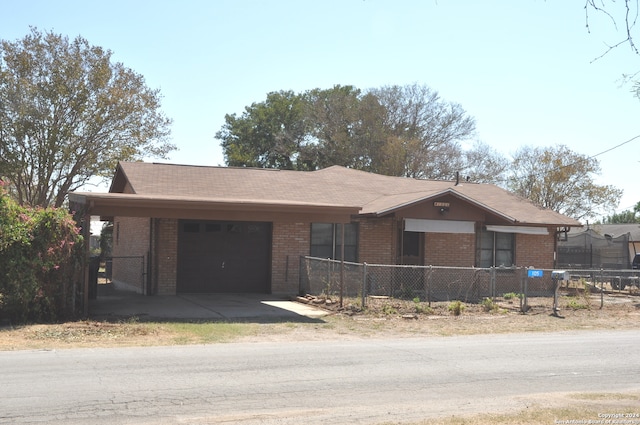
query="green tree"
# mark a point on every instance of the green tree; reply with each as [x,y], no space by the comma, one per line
[346,128]
[68,113]
[561,180]
[625,217]
[403,131]
[269,134]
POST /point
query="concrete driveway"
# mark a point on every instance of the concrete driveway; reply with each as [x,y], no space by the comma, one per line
[116,305]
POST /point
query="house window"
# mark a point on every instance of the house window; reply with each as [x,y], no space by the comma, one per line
[326,239]
[496,249]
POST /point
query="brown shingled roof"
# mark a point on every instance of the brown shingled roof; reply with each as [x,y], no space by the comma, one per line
[373,194]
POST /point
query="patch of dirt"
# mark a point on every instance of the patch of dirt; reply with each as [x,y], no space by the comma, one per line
[394,318]
[78,335]
[615,304]
[388,316]
[382,318]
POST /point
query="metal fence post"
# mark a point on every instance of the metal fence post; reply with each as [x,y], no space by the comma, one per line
[364,285]
[602,287]
[525,276]
[428,283]
[300,275]
[602,293]
[525,289]
[329,280]
[556,286]
[492,283]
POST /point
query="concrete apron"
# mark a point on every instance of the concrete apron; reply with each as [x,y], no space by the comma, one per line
[216,307]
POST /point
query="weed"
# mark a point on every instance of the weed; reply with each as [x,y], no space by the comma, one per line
[488,305]
[511,295]
[389,309]
[574,304]
[421,308]
[456,307]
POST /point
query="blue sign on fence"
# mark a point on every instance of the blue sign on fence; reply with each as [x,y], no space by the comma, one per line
[534,273]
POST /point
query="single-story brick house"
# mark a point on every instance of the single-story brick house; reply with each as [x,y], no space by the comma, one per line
[217,229]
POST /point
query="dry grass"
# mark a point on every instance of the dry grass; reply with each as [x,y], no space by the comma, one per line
[383,318]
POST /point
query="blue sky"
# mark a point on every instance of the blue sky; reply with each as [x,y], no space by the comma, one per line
[524,70]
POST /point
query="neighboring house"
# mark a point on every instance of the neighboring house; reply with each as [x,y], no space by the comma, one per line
[217,229]
[610,246]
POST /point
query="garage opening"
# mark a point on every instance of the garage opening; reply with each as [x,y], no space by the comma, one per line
[223,256]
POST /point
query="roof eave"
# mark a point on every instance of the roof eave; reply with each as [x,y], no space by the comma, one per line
[108,204]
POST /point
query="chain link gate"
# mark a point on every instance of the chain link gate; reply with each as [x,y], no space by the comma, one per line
[128,272]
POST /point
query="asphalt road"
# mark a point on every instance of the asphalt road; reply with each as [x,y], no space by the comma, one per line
[357,382]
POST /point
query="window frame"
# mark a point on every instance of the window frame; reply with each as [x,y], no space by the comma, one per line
[332,250]
[497,249]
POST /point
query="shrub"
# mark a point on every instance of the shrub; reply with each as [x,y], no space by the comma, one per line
[456,307]
[389,309]
[511,295]
[421,308]
[574,304]
[40,259]
[488,305]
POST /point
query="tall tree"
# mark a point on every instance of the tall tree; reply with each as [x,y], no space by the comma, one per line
[335,118]
[67,114]
[561,180]
[429,128]
[269,134]
[484,164]
[403,131]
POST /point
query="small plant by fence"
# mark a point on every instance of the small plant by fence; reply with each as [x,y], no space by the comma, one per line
[322,277]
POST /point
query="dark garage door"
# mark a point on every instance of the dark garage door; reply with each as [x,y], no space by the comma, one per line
[229,256]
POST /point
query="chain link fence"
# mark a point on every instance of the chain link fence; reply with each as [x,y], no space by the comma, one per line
[607,280]
[327,278]
[124,272]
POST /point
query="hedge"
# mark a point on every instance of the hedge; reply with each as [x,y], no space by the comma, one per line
[41,258]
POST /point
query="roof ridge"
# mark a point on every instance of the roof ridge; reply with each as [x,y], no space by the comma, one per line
[209,166]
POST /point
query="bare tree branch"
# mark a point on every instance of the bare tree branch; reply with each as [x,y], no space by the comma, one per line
[629,16]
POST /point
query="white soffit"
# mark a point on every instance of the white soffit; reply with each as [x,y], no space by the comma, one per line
[438,226]
[525,230]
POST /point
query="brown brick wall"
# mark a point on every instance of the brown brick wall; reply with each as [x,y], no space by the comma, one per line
[289,242]
[535,251]
[450,249]
[377,241]
[166,260]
